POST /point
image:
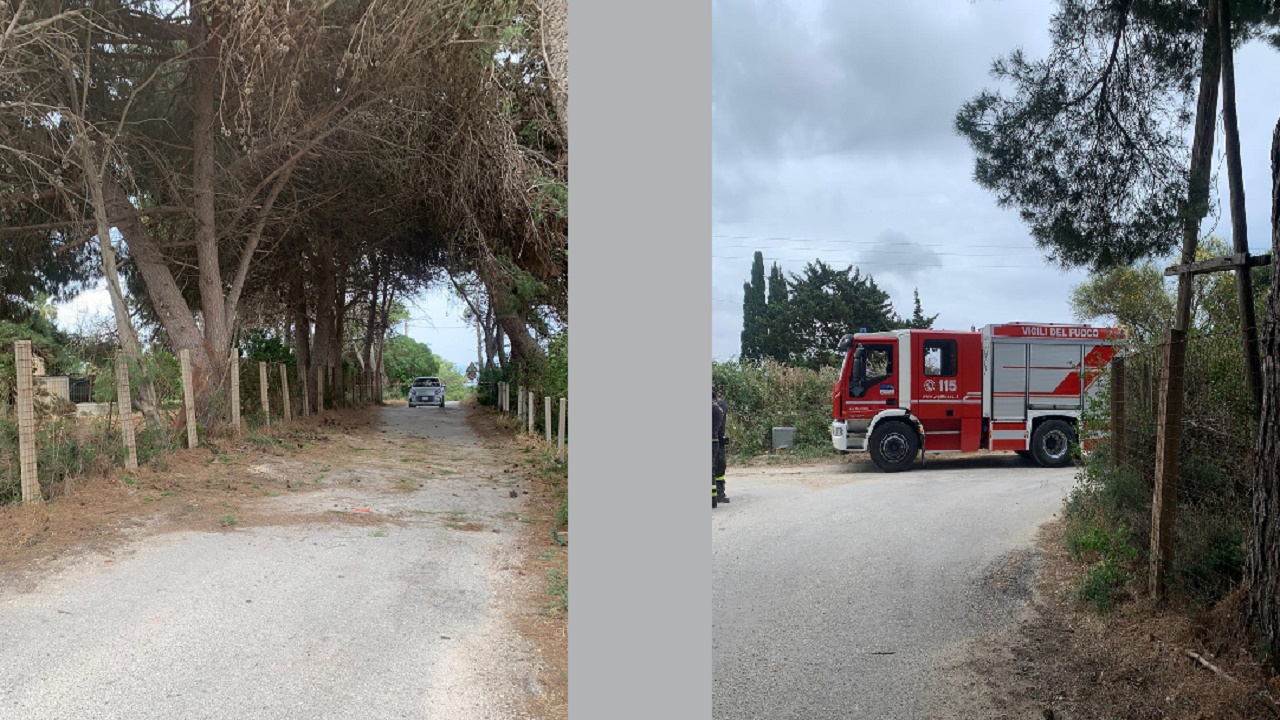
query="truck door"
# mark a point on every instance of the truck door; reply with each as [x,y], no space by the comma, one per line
[947,392]
[873,379]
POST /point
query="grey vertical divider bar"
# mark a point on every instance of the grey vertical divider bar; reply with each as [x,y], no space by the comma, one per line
[188,397]
[262,390]
[235,390]
[546,417]
[564,407]
[26,422]
[125,399]
[284,393]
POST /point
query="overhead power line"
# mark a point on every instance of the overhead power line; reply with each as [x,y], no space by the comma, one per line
[845,241]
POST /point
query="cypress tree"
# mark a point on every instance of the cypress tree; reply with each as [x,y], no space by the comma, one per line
[754,327]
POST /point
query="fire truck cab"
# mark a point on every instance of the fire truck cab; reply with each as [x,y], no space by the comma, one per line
[1016,386]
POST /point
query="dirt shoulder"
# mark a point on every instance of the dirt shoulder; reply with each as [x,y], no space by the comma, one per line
[1063,660]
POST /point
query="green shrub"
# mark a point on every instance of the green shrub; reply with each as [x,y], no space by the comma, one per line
[768,394]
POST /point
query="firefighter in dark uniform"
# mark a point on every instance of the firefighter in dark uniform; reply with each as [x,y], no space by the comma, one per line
[719,418]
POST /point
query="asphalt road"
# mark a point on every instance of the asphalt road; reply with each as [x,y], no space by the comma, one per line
[835,589]
[291,620]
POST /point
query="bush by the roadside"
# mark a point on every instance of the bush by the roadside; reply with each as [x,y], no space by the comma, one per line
[1112,500]
[767,394]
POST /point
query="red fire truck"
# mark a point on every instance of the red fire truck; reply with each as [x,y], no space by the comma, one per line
[1017,386]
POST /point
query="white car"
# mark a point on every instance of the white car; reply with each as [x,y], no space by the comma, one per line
[426,391]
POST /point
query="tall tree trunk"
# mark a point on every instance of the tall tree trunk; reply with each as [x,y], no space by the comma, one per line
[217,333]
[1262,564]
[338,345]
[324,292]
[1239,228]
[146,397]
[301,336]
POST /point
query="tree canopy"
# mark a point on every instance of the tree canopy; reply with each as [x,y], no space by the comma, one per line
[297,167]
[1089,143]
[807,313]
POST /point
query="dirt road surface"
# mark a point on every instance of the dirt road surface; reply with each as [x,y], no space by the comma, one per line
[382,590]
[836,590]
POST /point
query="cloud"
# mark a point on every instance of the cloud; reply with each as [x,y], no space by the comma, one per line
[896,255]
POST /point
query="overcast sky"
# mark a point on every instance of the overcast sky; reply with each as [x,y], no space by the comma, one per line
[832,138]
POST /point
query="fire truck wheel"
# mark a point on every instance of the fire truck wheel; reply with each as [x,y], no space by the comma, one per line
[893,446]
[1053,442]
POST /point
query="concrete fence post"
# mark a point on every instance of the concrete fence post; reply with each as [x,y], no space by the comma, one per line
[266,401]
[26,423]
[235,391]
[189,396]
[125,400]
[284,393]
[529,405]
[564,406]
[546,417]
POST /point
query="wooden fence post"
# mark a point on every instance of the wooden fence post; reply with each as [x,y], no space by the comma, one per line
[235,390]
[1118,435]
[188,397]
[1164,504]
[319,389]
[530,406]
[125,400]
[564,406]
[284,393]
[546,417]
[266,401]
[520,402]
[26,423]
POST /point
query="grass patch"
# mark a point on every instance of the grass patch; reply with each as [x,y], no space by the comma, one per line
[228,521]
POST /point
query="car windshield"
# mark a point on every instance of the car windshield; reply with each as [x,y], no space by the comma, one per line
[427,382]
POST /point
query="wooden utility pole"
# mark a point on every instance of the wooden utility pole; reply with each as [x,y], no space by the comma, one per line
[125,400]
[1169,428]
[1239,228]
[26,423]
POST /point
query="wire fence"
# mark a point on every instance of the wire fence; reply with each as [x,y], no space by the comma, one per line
[71,440]
[1216,454]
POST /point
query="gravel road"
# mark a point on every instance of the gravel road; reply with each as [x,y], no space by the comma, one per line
[836,589]
[294,620]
